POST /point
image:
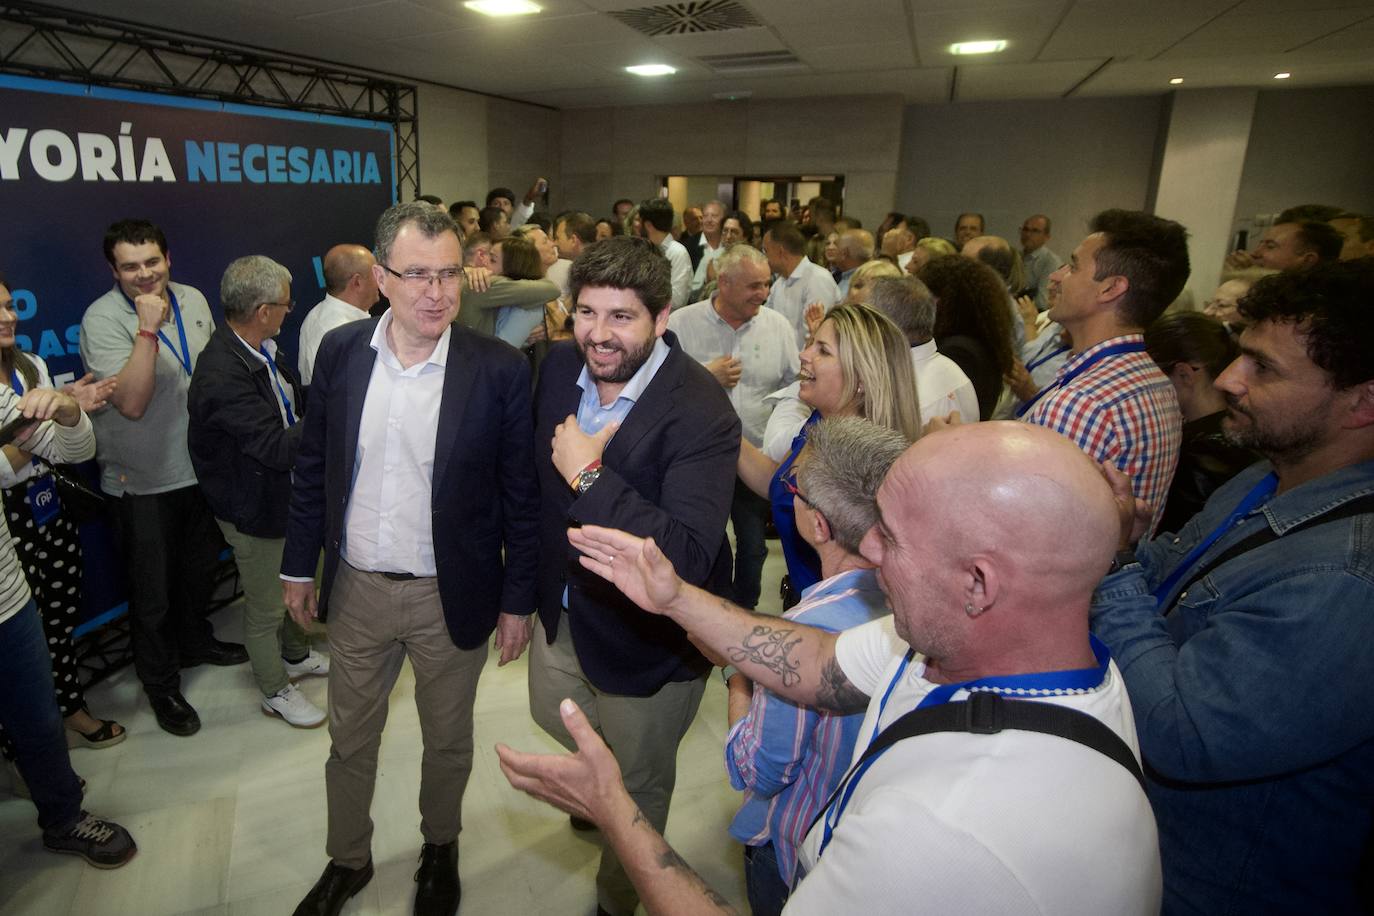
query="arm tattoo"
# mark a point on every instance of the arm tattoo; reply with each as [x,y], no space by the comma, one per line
[669,859]
[837,693]
[772,649]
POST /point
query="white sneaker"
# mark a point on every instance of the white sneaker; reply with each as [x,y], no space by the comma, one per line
[293,706]
[313,665]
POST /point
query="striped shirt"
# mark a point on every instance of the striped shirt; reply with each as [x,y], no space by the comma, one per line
[58,444]
[1123,410]
[789,758]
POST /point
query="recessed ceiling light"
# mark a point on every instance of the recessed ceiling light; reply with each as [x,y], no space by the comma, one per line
[1176,81]
[651,69]
[503,7]
[1282,76]
[977,47]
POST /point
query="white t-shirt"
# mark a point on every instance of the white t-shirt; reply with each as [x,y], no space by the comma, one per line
[1016,822]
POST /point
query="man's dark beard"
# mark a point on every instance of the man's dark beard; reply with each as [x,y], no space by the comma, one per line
[1288,445]
[629,365]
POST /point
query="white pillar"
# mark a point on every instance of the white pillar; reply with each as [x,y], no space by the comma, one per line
[1199,176]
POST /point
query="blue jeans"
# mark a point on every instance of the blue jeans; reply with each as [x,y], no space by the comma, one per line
[33,722]
[763,882]
[749,513]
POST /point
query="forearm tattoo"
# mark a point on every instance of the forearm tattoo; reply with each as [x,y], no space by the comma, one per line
[771,648]
[836,692]
[668,859]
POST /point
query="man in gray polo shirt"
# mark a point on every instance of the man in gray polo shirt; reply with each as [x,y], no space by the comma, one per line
[752,352]
[147,331]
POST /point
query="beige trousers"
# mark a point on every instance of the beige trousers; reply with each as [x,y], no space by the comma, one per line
[375,624]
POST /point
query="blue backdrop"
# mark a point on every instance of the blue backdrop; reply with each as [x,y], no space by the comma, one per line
[222,180]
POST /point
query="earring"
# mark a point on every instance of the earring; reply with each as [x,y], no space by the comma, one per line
[972,611]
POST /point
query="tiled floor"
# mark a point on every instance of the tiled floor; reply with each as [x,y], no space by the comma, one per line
[231,820]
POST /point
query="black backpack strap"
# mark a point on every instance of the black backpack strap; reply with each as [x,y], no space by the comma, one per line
[1357,506]
[987,713]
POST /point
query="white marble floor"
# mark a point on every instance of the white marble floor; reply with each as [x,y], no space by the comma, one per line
[231,820]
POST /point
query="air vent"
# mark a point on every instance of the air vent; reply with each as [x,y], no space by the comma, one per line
[686,18]
[752,62]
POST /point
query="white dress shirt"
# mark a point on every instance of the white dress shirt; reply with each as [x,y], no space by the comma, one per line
[941,385]
[327,315]
[764,345]
[681,263]
[387,523]
[708,255]
[809,282]
[559,273]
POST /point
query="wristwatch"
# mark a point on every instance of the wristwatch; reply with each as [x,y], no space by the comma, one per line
[586,477]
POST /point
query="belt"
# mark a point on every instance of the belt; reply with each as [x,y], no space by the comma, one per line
[399,576]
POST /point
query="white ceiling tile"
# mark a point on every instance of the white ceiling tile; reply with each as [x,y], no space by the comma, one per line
[394,19]
[1253,33]
[1127,28]
[1043,80]
[876,55]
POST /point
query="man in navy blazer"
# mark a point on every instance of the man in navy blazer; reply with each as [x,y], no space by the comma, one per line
[416,475]
[631,433]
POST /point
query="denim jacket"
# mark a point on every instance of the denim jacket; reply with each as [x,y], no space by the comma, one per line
[1250,700]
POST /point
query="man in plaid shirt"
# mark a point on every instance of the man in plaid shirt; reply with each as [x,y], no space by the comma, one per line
[1110,397]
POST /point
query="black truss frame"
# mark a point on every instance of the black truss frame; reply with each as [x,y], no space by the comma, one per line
[51,43]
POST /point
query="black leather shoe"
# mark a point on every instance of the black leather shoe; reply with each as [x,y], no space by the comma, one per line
[332,891]
[173,713]
[217,653]
[437,889]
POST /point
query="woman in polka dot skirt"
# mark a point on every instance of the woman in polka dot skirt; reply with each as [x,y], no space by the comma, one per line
[48,544]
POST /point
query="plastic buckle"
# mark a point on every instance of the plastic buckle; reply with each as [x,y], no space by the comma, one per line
[983,712]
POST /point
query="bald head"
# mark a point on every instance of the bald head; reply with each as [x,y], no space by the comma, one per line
[853,247]
[1026,531]
[348,275]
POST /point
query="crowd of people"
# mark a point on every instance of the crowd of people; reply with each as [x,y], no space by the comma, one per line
[1066,559]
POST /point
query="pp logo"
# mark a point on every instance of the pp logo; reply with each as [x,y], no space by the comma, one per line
[43,498]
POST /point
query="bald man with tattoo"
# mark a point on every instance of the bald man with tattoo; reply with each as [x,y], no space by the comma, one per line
[995,818]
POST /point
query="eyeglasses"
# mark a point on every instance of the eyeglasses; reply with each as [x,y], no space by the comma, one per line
[790,485]
[289,304]
[417,281]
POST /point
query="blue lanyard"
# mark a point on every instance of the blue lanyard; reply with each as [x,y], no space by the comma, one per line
[1037,363]
[1258,495]
[15,383]
[183,357]
[1078,680]
[290,414]
[1131,346]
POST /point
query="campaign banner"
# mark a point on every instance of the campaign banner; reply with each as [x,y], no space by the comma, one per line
[222,180]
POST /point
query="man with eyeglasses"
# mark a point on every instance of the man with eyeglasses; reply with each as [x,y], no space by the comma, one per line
[1037,258]
[416,476]
[245,405]
[148,332]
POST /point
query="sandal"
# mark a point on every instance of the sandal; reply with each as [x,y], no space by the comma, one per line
[104,736]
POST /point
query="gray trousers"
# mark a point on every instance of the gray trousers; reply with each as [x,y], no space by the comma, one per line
[642,732]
